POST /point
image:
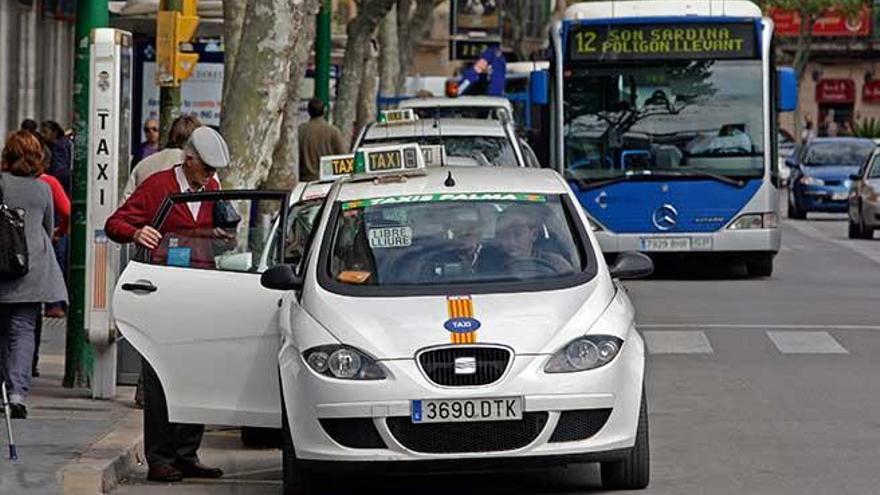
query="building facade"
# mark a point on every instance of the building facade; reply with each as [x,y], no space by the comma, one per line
[36,56]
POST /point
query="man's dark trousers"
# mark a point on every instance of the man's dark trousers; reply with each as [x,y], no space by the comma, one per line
[166,443]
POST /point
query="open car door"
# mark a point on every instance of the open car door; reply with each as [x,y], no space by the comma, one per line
[195,310]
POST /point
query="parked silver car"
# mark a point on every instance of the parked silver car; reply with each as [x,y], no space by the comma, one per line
[864,199]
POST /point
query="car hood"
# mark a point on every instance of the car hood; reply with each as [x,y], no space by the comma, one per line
[397,327]
[831,172]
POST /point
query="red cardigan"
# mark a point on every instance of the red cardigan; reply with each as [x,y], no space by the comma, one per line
[141,207]
[61,203]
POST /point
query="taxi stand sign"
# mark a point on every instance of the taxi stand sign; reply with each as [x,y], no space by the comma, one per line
[373,161]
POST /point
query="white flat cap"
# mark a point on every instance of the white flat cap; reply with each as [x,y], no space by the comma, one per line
[210,146]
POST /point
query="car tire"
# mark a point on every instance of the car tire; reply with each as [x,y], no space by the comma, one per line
[261,438]
[855,230]
[633,472]
[296,480]
[794,212]
[760,265]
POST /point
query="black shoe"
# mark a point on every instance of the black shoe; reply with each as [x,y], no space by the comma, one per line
[198,470]
[164,473]
[35,372]
[17,411]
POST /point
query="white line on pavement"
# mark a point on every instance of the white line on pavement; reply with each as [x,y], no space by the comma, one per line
[805,343]
[673,342]
[857,246]
[762,326]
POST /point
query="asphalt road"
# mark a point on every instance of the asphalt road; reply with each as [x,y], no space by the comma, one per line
[765,386]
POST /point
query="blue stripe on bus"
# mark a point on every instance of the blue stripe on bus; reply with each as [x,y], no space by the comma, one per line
[702,205]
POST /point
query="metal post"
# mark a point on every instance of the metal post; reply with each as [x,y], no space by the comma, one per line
[322,53]
[79,356]
[169,96]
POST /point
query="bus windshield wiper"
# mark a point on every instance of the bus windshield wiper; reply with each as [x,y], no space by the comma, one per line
[655,174]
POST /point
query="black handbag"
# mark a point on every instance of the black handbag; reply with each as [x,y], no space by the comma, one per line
[13,241]
[225,215]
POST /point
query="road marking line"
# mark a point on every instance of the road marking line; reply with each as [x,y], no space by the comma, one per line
[673,342]
[805,343]
[760,326]
[810,231]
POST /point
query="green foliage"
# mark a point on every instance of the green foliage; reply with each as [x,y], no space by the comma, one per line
[867,128]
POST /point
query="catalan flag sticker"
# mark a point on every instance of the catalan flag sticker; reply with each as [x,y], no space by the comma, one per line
[462,325]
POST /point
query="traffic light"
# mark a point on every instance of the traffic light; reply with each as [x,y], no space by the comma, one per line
[172,29]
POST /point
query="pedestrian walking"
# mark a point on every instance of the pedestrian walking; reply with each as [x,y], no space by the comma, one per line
[150,144]
[171,448]
[62,153]
[21,163]
[171,155]
[317,138]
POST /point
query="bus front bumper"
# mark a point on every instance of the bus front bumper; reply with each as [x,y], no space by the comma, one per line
[725,241]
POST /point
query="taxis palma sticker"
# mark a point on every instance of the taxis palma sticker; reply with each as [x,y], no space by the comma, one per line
[429,198]
[462,325]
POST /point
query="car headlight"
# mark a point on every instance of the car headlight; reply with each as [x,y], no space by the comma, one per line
[811,181]
[584,353]
[343,362]
[755,221]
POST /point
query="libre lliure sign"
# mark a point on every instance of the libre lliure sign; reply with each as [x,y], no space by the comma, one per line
[662,41]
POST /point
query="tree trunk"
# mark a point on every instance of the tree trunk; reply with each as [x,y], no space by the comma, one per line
[801,60]
[370,14]
[233,20]
[412,25]
[258,89]
[389,55]
[366,107]
[284,173]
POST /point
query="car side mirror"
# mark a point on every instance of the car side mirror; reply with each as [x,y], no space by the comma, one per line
[630,265]
[855,177]
[281,277]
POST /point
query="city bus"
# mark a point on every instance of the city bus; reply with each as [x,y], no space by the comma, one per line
[663,119]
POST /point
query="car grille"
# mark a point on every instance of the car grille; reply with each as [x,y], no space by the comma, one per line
[439,365]
[833,182]
[477,436]
[579,424]
[355,433]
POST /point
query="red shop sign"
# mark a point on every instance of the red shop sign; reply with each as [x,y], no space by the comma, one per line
[831,23]
[871,92]
[835,91]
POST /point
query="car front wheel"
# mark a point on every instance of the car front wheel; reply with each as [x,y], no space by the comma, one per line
[634,472]
[760,265]
[795,212]
[859,230]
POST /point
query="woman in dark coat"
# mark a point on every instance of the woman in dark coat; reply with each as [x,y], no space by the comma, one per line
[20,299]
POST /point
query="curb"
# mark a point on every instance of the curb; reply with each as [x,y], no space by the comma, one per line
[100,468]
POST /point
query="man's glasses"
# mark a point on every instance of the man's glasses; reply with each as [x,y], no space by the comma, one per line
[151,129]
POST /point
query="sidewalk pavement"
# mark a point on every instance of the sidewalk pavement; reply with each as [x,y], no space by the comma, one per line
[69,443]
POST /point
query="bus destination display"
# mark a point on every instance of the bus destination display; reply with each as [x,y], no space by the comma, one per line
[691,41]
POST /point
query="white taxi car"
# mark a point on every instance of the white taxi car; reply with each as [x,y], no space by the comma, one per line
[461,107]
[426,318]
[467,141]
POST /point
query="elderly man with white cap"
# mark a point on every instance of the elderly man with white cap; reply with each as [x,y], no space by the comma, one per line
[171,448]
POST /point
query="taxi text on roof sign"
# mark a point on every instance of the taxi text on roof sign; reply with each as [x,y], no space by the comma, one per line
[374,160]
[401,116]
[691,41]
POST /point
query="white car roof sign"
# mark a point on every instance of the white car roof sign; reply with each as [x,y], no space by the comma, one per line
[374,160]
[399,116]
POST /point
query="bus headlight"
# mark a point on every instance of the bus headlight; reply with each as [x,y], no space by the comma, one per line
[755,221]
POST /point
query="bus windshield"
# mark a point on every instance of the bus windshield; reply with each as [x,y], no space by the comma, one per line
[674,116]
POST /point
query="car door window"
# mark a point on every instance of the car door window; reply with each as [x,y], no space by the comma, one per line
[300,222]
[875,169]
[226,231]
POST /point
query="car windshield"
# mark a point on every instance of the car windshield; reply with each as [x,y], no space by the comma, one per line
[443,239]
[465,150]
[463,112]
[838,153]
[671,116]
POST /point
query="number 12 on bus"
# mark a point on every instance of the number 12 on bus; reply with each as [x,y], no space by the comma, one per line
[663,119]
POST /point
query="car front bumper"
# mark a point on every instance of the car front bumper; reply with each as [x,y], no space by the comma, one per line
[722,242]
[827,199]
[613,390]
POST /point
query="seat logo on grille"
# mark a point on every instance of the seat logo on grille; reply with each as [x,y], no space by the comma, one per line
[465,365]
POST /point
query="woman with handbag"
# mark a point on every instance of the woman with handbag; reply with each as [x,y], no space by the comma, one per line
[24,288]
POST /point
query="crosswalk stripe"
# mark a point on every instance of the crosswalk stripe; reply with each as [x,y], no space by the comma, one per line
[805,342]
[677,342]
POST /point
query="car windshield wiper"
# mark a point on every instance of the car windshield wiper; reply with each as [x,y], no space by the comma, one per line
[662,174]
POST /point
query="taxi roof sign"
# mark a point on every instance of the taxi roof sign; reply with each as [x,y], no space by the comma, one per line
[399,116]
[374,160]
[434,155]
